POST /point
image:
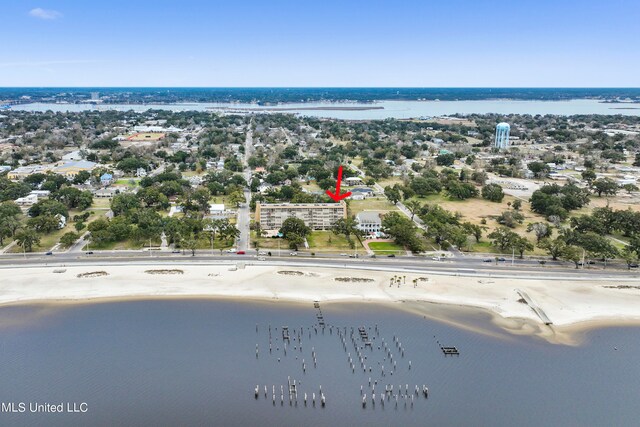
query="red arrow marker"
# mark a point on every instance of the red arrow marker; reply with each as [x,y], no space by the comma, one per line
[337,196]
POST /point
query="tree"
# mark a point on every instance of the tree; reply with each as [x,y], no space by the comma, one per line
[73,198]
[27,238]
[82,177]
[9,220]
[630,256]
[573,254]
[236,198]
[596,244]
[48,207]
[191,243]
[554,247]
[153,198]
[425,186]
[295,240]
[521,244]
[516,205]
[131,164]
[630,188]
[413,206]
[213,226]
[445,159]
[228,231]
[461,190]
[393,194]
[493,193]
[589,175]
[294,227]
[605,186]
[68,239]
[510,218]
[44,223]
[539,169]
[122,204]
[403,230]
[347,227]
[503,238]
[475,230]
[540,229]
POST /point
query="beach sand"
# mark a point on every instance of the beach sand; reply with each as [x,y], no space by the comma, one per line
[572,306]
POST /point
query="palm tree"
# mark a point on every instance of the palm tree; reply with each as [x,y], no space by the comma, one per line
[27,238]
[413,206]
[228,231]
[213,226]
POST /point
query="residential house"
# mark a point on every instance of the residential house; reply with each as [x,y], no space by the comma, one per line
[106,179]
[370,223]
[361,193]
[353,180]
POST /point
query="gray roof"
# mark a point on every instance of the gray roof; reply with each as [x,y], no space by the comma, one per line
[369,216]
[361,190]
[80,164]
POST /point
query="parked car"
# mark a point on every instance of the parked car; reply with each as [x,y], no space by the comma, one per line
[391,255]
[240,253]
[231,251]
[262,253]
[343,254]
[502,259]
[487,260]
[175,251]
[49,253]
[294,254]
[435,258]
[90,253]
[633,265]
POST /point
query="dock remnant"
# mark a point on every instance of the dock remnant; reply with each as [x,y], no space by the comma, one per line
[364,336]
[541,314]
[453,351]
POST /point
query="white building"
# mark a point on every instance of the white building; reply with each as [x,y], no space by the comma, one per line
[361,193]
[27,200]
[318,216]
[353,180]
[369,222]
[218,211]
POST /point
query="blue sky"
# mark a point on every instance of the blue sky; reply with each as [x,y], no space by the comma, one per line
[519,43]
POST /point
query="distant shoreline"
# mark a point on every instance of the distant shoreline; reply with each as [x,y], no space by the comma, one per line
[259,109]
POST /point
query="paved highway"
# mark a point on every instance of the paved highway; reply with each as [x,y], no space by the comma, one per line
[470,266]
[244,216]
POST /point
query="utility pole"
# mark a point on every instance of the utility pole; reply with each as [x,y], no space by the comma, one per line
[513,256]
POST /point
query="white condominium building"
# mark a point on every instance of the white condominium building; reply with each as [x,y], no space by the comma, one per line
[317,216]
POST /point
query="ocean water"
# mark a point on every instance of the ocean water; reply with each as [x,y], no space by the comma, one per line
[390,108]
[193,362]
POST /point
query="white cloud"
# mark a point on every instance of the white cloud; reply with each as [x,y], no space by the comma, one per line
[47,14]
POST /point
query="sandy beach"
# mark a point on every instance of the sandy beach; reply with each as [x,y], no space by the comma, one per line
[570,305]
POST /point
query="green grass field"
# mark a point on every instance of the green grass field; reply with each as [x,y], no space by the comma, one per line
[370,204]
[326,241]
[385,248]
